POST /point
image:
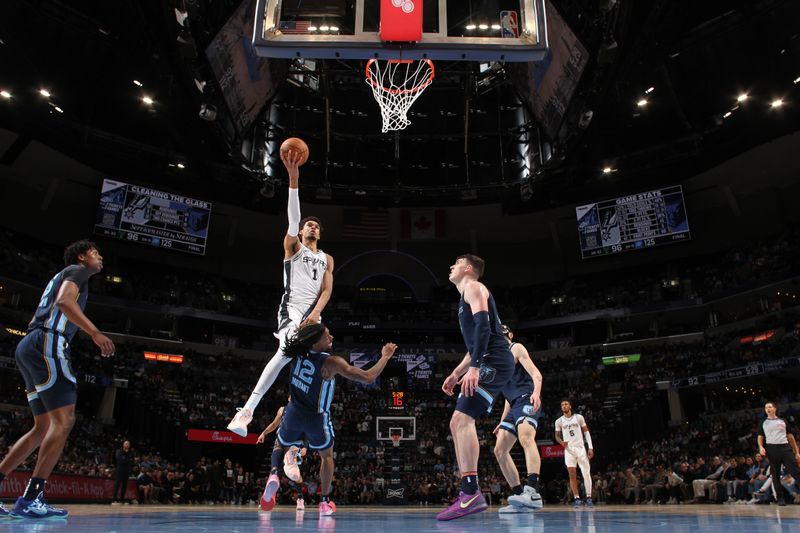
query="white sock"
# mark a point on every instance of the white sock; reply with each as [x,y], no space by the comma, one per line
[268,377]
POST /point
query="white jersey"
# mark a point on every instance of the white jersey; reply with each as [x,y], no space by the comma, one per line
[302,282]
[571,431]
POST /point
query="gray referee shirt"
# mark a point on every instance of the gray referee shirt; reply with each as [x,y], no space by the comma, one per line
[774,431]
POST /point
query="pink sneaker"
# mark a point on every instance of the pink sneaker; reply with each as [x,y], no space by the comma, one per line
[465,504]
[301,504]
[327,508]
[270,492]
[291,462]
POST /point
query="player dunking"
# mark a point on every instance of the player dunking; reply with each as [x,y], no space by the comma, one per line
[43,359]
[307,281]
[519,421]
[306,418]
[570,430]
[485,371]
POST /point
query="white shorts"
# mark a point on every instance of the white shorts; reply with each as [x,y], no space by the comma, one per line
[574,456]
[289,321]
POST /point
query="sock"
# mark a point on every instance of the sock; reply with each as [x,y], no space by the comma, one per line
[533,481]
[517,490]
[324,498]
[469,483]
[277,460]
[35,486]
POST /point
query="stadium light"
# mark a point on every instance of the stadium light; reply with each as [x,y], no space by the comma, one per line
[483,26]
[45,93]
[796,80]
[642,102]
[726,115]
[607,170]
[312,28]
[776,103]
[471,27]
[496,26]
[147,100]
[181,165]
[137,83]
[58,109]
[649,90]
[742,97]
[324,27]
[5,94]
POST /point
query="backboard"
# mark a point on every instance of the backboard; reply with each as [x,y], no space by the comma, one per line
[456,30]
[386,426]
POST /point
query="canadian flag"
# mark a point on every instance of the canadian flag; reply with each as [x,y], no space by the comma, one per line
[421,224]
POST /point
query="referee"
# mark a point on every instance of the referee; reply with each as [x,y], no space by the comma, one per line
[780,448]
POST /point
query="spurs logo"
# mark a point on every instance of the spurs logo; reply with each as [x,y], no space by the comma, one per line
[406,5]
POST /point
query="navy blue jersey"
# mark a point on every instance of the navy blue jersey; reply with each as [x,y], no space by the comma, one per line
[521,383]
[48,316]
[309,391]
[497,341]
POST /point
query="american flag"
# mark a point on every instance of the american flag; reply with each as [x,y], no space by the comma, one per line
[372,224]
[289,27]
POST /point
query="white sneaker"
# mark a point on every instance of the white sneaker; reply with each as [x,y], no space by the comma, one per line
[529,498]
[510,509]
[291,461]
[301,504]
[239,423]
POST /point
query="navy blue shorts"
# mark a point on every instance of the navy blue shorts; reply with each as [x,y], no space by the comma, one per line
[521,413]
[301,428]
[496,371]
[43,360]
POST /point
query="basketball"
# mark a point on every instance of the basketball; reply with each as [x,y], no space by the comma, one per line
[295,144]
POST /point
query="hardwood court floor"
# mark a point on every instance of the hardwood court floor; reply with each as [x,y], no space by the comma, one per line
[603,519]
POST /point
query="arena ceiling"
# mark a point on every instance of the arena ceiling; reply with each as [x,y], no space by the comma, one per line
[689,60]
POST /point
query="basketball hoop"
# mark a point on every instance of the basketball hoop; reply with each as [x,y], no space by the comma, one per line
[396,85]
[395,440]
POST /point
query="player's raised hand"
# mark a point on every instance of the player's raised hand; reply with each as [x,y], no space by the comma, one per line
[105,344]
[469,381]
[388,350]
[290,160]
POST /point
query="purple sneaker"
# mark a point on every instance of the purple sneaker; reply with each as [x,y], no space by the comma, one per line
[465,504]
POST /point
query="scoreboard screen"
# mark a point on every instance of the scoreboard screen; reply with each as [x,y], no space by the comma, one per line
[152,217]
[633,222]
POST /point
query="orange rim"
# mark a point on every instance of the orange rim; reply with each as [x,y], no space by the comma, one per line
[401,91]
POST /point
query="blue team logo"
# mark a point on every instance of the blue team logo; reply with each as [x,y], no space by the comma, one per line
[487,374]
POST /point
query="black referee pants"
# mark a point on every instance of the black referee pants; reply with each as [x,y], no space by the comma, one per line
[781,454]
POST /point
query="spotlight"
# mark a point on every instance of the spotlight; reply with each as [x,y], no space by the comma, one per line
[58,109]
[45,93]
[642,102]
[334,28]
[742,97]
[496,26]
[796,80]
[470,27]
[137,83]
[181,166]
[608,170]
[312,28]
[726,115]
[483,26]
[324,27]
[5,94]
[208,112]
[649,90]
[147,100]
[776,103]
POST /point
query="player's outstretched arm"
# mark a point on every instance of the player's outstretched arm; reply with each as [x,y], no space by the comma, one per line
[67,303]
[523,357]
[336,365]
[291,243]
[272,426]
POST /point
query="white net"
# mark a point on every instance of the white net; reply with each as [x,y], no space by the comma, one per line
[396,85]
